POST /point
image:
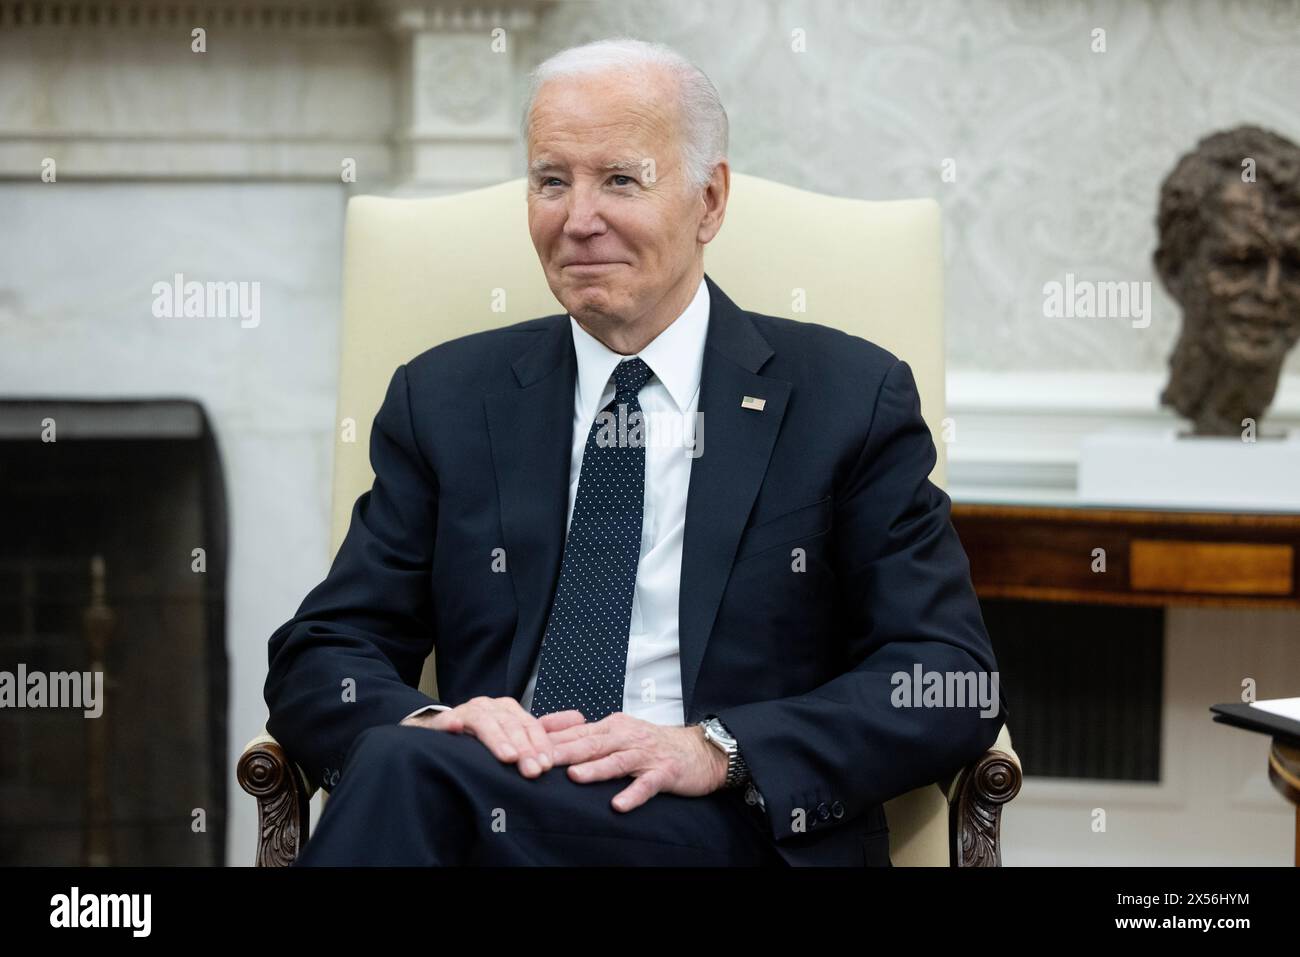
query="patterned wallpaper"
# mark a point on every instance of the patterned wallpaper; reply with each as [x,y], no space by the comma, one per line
[1058,148]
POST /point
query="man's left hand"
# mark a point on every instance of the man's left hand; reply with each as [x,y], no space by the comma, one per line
[674,760]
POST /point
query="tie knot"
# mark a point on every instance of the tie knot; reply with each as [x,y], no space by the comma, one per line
[629,376]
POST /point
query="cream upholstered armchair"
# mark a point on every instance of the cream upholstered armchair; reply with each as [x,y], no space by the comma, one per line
[421,271]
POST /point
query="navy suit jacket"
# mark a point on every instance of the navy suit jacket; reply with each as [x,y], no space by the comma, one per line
[470,451]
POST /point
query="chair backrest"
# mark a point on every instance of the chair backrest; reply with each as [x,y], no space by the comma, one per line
[421,271]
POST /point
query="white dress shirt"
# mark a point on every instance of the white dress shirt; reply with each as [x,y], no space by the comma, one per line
[669,400]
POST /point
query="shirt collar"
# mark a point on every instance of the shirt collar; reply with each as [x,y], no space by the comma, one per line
[676,356]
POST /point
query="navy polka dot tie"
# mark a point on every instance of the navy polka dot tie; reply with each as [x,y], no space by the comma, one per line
[584,653]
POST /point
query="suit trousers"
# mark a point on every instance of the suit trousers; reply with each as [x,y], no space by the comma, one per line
[412,796]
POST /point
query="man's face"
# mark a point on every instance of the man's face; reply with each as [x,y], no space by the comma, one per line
[611,216]
[1252,279]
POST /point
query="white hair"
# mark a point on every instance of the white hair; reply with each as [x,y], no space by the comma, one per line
[704,121]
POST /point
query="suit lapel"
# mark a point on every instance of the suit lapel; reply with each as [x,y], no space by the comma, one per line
[531,434]
[725,478]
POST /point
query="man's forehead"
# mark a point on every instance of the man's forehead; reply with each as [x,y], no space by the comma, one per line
[620,147]
[602,123]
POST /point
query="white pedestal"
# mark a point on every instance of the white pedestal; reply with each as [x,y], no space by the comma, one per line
[1156,467]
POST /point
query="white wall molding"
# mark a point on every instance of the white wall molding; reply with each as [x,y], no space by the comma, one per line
[1017,434]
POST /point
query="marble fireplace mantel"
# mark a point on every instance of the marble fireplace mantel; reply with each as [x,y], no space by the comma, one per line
[395,95]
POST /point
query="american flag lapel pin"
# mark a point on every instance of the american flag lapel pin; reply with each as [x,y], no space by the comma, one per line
[752,402]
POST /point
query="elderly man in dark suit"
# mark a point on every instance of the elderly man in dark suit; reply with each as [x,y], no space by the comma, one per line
[695,655]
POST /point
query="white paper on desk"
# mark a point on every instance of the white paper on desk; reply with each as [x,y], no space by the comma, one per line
[1286,707]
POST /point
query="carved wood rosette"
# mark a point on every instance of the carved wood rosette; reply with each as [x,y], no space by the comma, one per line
[283,816]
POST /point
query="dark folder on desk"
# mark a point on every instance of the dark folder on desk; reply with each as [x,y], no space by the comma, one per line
[1257,719]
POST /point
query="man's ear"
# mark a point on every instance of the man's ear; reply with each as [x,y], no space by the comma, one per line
[714,196]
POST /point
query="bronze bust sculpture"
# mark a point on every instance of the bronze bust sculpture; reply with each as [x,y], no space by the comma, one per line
[1229,253]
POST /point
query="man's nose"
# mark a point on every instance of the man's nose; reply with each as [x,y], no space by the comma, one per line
[583,214]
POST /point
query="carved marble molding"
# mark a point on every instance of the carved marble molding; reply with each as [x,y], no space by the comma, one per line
[146,14]
[459,65]
[410,15]
[412,95]
[463,17]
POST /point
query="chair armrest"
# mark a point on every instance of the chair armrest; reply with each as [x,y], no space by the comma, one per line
[283,793]
[976,795]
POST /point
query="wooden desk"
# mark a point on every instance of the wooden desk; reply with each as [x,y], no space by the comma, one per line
[1152,556]
[1284,772]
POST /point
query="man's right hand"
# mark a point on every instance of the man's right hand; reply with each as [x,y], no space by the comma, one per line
[505,728]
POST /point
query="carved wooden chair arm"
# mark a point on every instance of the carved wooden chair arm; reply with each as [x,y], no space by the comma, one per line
[975,799]
[283,814]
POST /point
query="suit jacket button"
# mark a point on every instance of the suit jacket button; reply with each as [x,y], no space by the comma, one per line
[837,809]
[823,812]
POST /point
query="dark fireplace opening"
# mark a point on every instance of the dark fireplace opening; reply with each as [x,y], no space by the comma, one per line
[1085,686]
[112,573]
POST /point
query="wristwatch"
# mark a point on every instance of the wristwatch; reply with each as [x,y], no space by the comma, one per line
[716,733]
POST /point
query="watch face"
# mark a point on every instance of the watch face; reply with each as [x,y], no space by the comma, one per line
[719,732]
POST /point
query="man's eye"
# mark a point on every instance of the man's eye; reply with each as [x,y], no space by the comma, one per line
[549,180]
[622,176]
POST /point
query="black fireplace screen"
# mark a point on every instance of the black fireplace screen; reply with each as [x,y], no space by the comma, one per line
[113,676]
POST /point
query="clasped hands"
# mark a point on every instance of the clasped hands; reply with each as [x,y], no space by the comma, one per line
[662,758]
